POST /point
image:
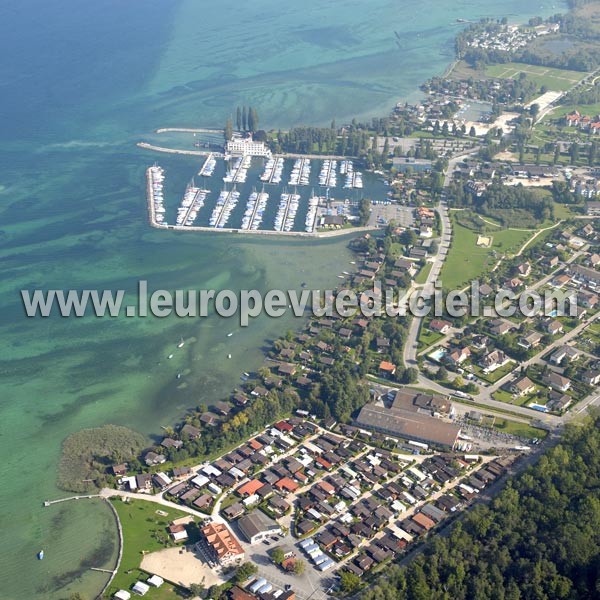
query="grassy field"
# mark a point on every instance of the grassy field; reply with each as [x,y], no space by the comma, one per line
[466,261]
[423,273]
[554,79]
[428,338]
[520,429]
[143,531]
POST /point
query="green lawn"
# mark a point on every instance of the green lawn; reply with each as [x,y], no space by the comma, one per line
[496,374]
[520,429]
[143,531]
[557,80]
[590,110]
[466,261]
[423,273]
[428,337]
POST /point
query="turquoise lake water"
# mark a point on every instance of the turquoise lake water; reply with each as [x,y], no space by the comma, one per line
[80,84]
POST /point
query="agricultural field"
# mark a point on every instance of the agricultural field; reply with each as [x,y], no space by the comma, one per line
[557,80]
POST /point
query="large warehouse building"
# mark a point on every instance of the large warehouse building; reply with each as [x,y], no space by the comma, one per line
[256,527]
[409,425]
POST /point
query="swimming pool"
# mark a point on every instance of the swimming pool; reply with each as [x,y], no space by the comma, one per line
[438,354]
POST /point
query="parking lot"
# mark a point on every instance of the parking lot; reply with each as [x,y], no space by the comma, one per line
[311,584]
[382,214]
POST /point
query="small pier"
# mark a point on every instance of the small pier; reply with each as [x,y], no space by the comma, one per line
[88,497]
[209,166]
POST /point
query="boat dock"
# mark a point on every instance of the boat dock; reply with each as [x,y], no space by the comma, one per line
[239,171]
[328,177]
[222,211]
[256,205]
[88,497]
[311,215]
[273,170]
[286,215]
[301,172]
[154,192]
[208,167]
[193,201]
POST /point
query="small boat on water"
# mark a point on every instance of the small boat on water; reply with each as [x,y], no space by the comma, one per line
[40,555]
[229,356]
[181,344]
[230,334]
[170,356]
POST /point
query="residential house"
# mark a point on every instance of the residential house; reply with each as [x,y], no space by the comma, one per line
[554,327]
[440,326]
[558,382]
[494,360]
[387,369]
[591,377]
[530,340]
[522,386]
[457,357]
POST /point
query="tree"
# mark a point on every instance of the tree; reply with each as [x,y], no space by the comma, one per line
[534,111]
[349,582]
[228,129]
[408,237]
[411,375]
[238,118]
[278,556]
[252,119]
[574,152]
[244,119]
[442,373]
[197,589]
[472,131]
[299,567]
[245,571]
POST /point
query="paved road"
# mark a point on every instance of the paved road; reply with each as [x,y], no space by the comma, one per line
[411,345]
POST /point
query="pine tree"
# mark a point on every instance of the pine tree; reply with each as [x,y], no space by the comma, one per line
[228,129]
[251,119]
[244,119]
[238,119]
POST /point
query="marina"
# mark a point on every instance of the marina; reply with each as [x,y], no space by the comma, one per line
[273,195]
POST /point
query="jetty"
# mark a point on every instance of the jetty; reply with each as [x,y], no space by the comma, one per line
[88,497]
[187,130]
[148,146]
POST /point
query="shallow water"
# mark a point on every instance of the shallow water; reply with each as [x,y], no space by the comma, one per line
[81,83]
